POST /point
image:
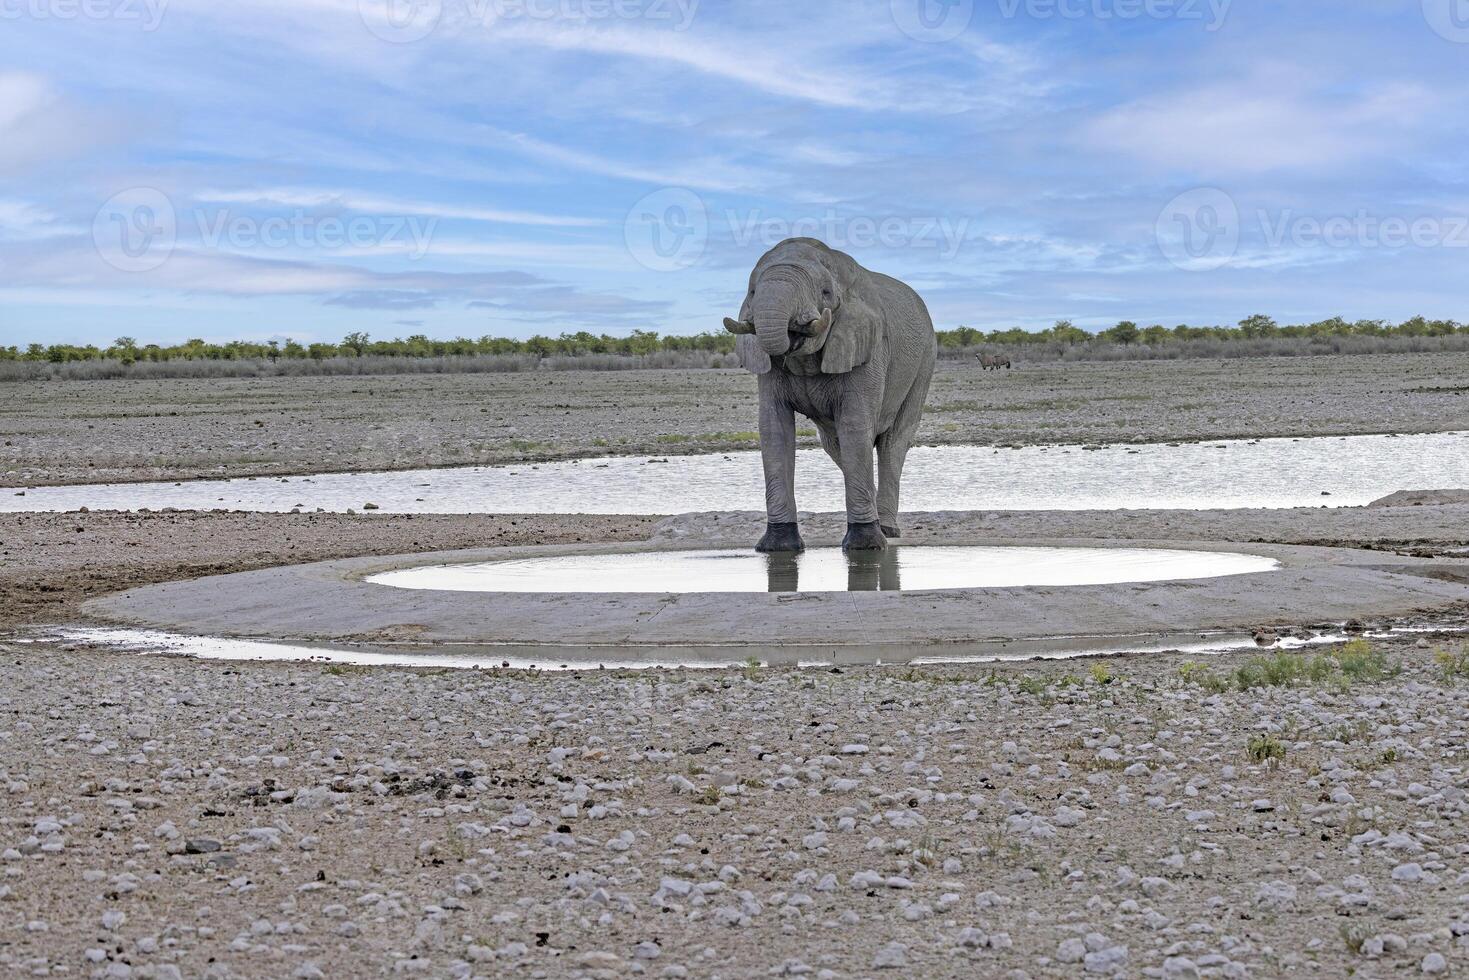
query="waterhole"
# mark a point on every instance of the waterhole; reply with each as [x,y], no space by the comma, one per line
[1333,472]
[826,570]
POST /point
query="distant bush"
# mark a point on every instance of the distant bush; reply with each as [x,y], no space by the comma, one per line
[103,370]
[1255,336]
[1098,350]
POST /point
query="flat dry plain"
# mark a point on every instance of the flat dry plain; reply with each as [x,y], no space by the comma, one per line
[1137,816]
[104,431]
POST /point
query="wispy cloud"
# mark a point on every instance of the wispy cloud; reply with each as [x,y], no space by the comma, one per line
[1266,121]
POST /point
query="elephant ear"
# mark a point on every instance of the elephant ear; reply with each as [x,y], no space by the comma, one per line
[752,357]
[853,335]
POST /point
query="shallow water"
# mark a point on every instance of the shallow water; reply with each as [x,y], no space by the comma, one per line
[1334,472]
[826,570]
[464,657]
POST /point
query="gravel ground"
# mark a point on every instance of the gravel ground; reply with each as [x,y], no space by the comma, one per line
[105,431]
[166,819]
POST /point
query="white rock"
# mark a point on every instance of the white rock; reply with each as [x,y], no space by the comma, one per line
[1071,951]
[893,956]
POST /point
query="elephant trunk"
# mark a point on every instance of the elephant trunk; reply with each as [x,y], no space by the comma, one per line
[772,315]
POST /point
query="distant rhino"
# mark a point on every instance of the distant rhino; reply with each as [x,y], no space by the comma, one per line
[993,362]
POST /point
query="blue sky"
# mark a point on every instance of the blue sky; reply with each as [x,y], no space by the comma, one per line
[304,168]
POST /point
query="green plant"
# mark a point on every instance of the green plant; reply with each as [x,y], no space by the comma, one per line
[1353,937]
[1201,676]
[1359,662]
[926,853]
[1265,749]
[1453,663]
[1101,673]
[1033,686]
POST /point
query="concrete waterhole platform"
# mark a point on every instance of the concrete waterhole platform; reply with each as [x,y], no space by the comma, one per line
[344,611]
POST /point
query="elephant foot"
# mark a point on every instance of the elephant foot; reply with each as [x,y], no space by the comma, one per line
[781,537]
[864,537]
[891,531]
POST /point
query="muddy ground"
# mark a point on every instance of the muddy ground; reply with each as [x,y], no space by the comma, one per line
[103,431]
[51,563]
[1137,816]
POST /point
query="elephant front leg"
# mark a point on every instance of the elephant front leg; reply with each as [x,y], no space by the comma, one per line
[863,530]
[778,453]
[890,457]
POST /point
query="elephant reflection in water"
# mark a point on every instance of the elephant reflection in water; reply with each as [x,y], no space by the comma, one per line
[867,571]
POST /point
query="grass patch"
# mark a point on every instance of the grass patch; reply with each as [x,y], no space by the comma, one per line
[678,438]
[1352,663]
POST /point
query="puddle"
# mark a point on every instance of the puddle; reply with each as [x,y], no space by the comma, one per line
[1334,472]
[479,657]
[827,570]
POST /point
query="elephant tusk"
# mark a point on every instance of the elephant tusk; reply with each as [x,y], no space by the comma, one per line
[822,323]
[735,326]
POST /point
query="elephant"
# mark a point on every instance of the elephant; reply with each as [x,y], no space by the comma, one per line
[851,350]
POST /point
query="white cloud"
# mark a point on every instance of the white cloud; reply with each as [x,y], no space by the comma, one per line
[760,66]
[1272,121]
[38,126]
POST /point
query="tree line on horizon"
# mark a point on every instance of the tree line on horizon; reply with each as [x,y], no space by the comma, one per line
[642,343]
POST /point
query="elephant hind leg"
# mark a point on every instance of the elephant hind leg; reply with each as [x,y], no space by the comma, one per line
[892,453]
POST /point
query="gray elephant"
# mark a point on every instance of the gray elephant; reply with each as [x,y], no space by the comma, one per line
[853,351]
